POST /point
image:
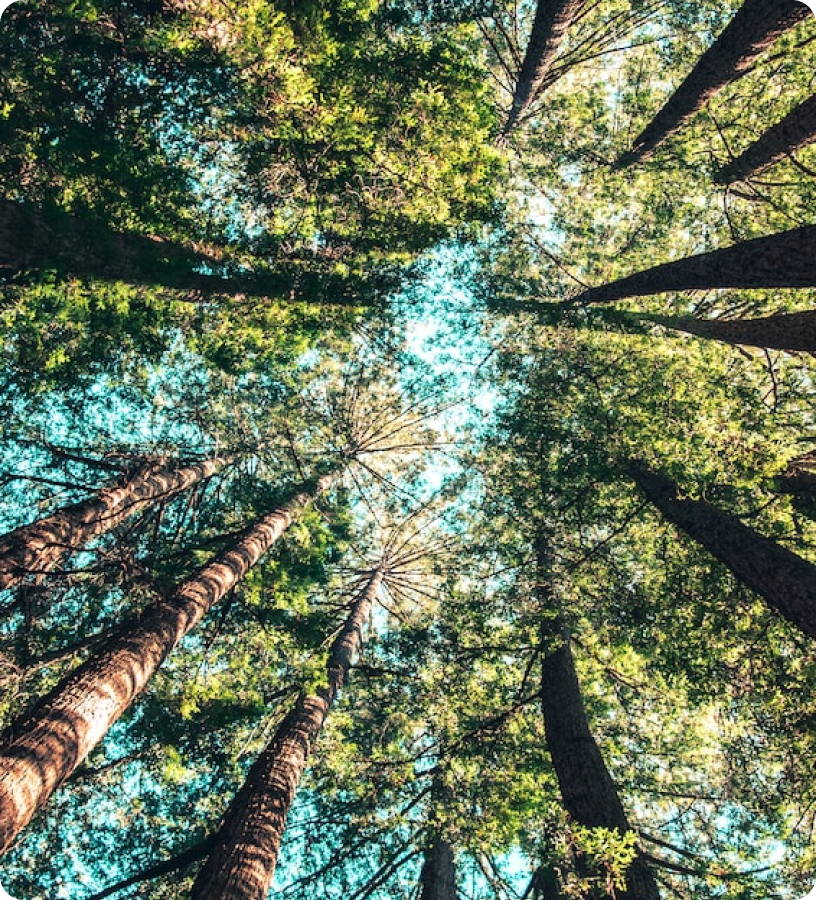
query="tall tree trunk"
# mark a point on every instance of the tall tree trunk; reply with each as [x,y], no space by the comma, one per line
[787,582]
[49,238]
[42,748]
[588,792]
[799,477]
[242,865]
[796,130]
[757,24]
[552,19]
[38,547]
[438,876]
[785,331]
[784,260]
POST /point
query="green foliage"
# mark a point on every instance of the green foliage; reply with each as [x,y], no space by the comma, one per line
[225,208]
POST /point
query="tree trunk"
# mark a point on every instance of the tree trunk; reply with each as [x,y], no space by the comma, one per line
[796,130]
[552,19]
[787,582]
[799,477]
[588,792]
[38,547]
[242,865]
[34,238]
[42,748]
[757,24]
[784,260]
[438,876]
[785,331]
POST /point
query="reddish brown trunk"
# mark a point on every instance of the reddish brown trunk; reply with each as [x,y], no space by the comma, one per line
[438,876]
[757,24]
[41,749]
[796,130]
[587,790]
[38,547]
[785,260]
[552,19]
[242,865]
[786,331]
[786,581]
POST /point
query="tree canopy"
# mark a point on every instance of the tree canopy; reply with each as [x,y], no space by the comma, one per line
[407,450]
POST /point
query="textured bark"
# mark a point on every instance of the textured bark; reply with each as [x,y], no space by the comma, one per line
[755,27]
[588,791]
[784,260]
[786,331]
[242,865]
[787,582]
[438,876]
[795,131]
[42,748]
[552,19]
[38,547]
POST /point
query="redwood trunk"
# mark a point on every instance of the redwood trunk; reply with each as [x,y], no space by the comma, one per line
[787,582]
[755,27]
[242,865]
[588,792]
[38,547]
[796,130]
[48,238]
[438,876]
[42,748]
[552,19]
[786,331]
[799,477]
[784,260]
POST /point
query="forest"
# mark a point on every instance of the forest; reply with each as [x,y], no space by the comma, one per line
[408,449]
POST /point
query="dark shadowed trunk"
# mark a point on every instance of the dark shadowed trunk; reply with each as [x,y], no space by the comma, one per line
[242,865]
[799,477]
[784,260]
[796,130]
[35,238]
[757,24]
[552,19]
[38,547]
[41,748]
[787,582]
[588,792]
[785,331]
[438,877]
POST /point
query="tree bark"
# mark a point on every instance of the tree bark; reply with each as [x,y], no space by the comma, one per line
[552,19]
[799,477]
[785,331]
[42,748]
[34,238]
[784,260]
[795,131]
[38,547]
[588,791]
[755,27]
[242,865]
[438,876]
[787,582]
